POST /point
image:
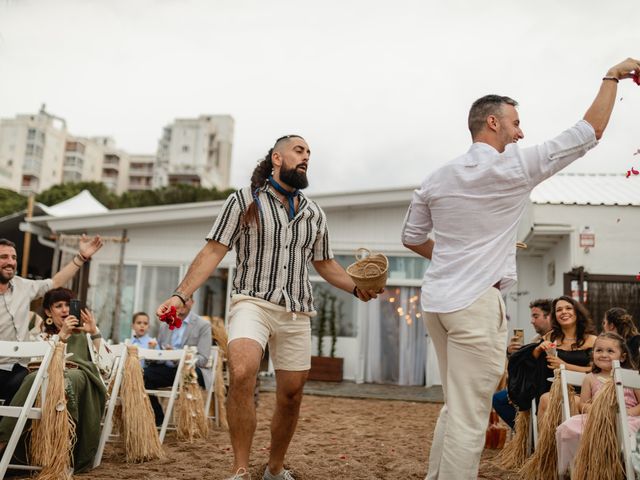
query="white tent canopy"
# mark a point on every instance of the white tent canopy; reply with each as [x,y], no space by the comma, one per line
[82,204]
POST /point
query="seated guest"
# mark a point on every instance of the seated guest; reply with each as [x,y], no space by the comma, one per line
[195,332]
[570,342]
[541,322]
[84,388]
[139,335]
[619,321]
[17,294]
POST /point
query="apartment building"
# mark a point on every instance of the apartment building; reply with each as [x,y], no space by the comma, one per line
[195,151]
[32,151]
[83,160]
[141,172]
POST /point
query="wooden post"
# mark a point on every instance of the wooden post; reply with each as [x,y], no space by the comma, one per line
[115,325]
[26,248]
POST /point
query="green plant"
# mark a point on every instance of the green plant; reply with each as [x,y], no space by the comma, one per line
[329,312]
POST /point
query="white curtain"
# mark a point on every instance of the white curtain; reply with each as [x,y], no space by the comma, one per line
[393,338]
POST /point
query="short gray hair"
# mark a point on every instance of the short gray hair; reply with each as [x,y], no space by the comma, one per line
[485,106]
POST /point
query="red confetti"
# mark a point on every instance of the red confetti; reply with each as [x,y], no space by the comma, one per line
[638,277]
[636,77]
[633,170]
[343,457]
[171,318]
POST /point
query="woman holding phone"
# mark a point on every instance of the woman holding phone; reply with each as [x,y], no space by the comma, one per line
[84,386]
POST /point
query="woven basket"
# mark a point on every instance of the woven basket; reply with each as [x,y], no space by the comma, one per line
[369,272]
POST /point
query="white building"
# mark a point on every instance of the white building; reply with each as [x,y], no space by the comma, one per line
[196,151]
[32,150]
[141,172]
[384,340]
[83,160]
[115,165]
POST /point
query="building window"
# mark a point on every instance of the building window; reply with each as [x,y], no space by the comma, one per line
[103,299]
[344,306]
[31,134]
[185,148]
[157,283]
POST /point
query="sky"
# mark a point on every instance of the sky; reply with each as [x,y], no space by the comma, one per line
[380,89]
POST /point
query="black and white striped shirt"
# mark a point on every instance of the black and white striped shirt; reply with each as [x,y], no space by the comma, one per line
[272,261]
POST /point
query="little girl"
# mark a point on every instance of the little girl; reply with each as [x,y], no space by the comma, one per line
[608,347]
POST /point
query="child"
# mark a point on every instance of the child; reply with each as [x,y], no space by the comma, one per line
[139,336]
[608,347]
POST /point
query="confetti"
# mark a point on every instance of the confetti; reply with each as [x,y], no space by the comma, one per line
[343,457]
[638,277]
[636,77]
[637,152]
[633,170]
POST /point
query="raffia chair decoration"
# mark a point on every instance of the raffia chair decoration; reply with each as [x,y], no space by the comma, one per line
[515,452]
[138,426]
[221,338]
[369,271]
[190,418]
[543,464]
[598,456]
[53,437]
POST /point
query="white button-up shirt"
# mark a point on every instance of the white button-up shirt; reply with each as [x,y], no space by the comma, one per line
[473,205]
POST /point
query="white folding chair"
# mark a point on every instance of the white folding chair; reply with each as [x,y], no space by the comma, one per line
[25,350]
[213,364]
[115,380]
[567,377]
[533,427]
[165,355]
[629,379]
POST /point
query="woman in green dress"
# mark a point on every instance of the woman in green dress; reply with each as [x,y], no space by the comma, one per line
[84,388]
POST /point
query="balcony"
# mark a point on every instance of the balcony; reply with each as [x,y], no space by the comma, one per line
[30,184]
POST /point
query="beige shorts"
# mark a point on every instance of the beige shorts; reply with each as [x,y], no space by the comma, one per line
[287,333]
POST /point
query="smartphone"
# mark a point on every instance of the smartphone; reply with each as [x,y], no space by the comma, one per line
[519,333]
[74,309]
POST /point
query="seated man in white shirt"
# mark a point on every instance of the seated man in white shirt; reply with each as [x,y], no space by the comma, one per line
[194,331]
[17,294]
[473,204]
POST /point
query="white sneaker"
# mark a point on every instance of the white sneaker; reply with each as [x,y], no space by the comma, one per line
[283,475]
[241,474]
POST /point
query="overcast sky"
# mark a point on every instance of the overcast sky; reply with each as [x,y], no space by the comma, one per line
[380,89]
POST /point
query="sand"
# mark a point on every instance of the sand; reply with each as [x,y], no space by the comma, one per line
[336,438]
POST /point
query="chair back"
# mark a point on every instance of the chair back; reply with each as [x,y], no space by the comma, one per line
[625,378]
[567,378]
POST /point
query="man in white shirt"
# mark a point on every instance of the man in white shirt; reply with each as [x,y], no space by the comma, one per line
[473,205]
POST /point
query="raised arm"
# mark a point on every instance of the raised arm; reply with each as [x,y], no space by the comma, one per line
[599,112]
[200,269]
[87,247]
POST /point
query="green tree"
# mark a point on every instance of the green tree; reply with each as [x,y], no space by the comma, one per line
[64,191]
[11,202]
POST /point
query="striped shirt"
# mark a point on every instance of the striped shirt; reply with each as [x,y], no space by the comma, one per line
[272,262]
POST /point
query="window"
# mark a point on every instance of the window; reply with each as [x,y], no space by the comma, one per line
[344,305]
[185,148]
[103,294]
[31,134]
[157,283]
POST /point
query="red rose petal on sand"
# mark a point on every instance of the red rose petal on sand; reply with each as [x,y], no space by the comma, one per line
[343,457]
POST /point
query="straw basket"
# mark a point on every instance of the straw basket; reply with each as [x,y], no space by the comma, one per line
[369,272]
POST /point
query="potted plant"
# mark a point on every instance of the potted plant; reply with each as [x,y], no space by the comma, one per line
[329,311]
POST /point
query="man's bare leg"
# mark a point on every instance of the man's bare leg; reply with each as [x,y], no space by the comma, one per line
[244,361]
[289,387]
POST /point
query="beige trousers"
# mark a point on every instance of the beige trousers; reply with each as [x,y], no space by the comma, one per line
[470,345]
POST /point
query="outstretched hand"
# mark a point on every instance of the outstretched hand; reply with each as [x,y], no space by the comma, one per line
[88,246]
[625,69]
[366,295]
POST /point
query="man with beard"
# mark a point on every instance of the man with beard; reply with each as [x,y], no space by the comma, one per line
[473,205]
[17,294]
[276,231]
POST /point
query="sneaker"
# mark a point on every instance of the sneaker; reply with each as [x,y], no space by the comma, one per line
[241,474]
[283,475]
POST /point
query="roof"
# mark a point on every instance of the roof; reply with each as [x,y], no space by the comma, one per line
[82,204]
[588,189]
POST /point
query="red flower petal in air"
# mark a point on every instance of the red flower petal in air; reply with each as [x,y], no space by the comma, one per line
[638,277]
[636,77]
[634,171]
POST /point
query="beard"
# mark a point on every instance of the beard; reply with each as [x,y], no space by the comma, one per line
[4,279]
[294,178]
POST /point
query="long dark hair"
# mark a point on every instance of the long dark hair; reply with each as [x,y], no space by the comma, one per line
[622,321]
[258,178]
[51,297]
[584,326]
[627,363]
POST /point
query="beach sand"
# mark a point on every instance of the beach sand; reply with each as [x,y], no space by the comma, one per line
[336,438]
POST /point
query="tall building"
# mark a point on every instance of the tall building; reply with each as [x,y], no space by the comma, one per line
[141,172]
[83,160]
[196,151]
[115,165]
[32,150]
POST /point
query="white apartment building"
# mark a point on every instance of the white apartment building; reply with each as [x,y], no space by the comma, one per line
[196,151]
[83,160]
[115,165]
[32,150]
[141,172]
